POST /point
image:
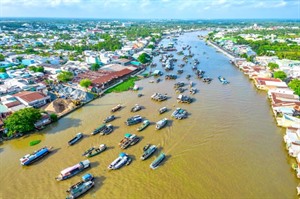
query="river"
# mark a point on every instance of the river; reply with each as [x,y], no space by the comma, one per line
[228,147]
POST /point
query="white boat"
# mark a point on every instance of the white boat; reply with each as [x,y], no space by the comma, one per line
[120,161]
[161,123]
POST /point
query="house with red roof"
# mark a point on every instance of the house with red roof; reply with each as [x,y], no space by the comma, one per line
[32,98]
[268,83]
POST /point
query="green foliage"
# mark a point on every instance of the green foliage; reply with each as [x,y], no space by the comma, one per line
[65,76]
[53,117]
[295,86]
[144,58]
[151,46]
[124,57]
[37,69]
[272,66]
[22,121]
[280,75]
[85,83]
[124,86]
[34,142]
[2,70]
[20,66]
[19,58]
[95,67]
[2,57]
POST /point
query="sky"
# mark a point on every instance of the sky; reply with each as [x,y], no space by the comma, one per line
[152,9]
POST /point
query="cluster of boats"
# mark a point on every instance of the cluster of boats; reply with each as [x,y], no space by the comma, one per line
[184,99]
[179,114]
[103,129]
[129,140]
[170,77]
[159,97]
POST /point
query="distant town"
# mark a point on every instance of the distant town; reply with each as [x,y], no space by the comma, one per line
[56,66]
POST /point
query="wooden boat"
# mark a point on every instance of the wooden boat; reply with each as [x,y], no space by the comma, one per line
[116,108]
[96,151]
[88,151]
[159,97]
[75,139]
[148,152]
[85,178]
[184,99]
[136,108]
[80,188]
[146,147]
[107,130]
[144,125]
[161,123]
[134,120]
[122,160]
[129,140]
[162,110]
[223,80]
[99,129]
[73,170]
[109,119]
[157,161]
[35,156]
[193,91]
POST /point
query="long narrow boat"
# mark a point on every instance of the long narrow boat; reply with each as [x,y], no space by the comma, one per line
[107,130]
[157,161]
[35,156]
[122,160]
[134,120]
[73,170]
[161,123]
[109,119]
[144,125]
[116,108]
[99,129]
[75,139]
[223,80]
[96,151]
[162,110]
[147,153]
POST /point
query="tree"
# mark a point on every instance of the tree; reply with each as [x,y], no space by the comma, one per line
[37,69]
[85,83]
[151,46]
[2,70]
[22,121]
[2,57]
[272,66]
[280,75]
[53,117]
[65,76]
[144,58]
[95,67]
[295,86]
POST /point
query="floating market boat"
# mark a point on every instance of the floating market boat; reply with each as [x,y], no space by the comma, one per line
[73,170]
[107,130]
[79,188]
[88,151]
[144,125]
[148,152]
[85,178]
[134,120]
[75,139]
[109,119]
[179,113]
[146,147]
[128,140]
[96,151]
[99,129]
[179,84]
[161,123]
[193,91]
[159,97]
[116,108]
[35,156]
[184,99]
[157,161]
[162,110]
[136,108]
[223,80]
[122,160]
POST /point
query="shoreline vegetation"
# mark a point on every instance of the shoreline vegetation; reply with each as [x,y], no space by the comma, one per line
[124,86]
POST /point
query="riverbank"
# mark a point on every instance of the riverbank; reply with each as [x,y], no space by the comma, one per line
[224,51]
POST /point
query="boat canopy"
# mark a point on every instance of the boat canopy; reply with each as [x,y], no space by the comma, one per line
[127,135]
[123,154]
[69,169]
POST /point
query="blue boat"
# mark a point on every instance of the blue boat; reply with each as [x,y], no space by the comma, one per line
[73,170]
[134,120]
[148,152]
[75,139]
[31,158]
[223,80]
[157,161]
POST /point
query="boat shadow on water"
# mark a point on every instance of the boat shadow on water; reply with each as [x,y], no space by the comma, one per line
[99,181]
[93,165]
